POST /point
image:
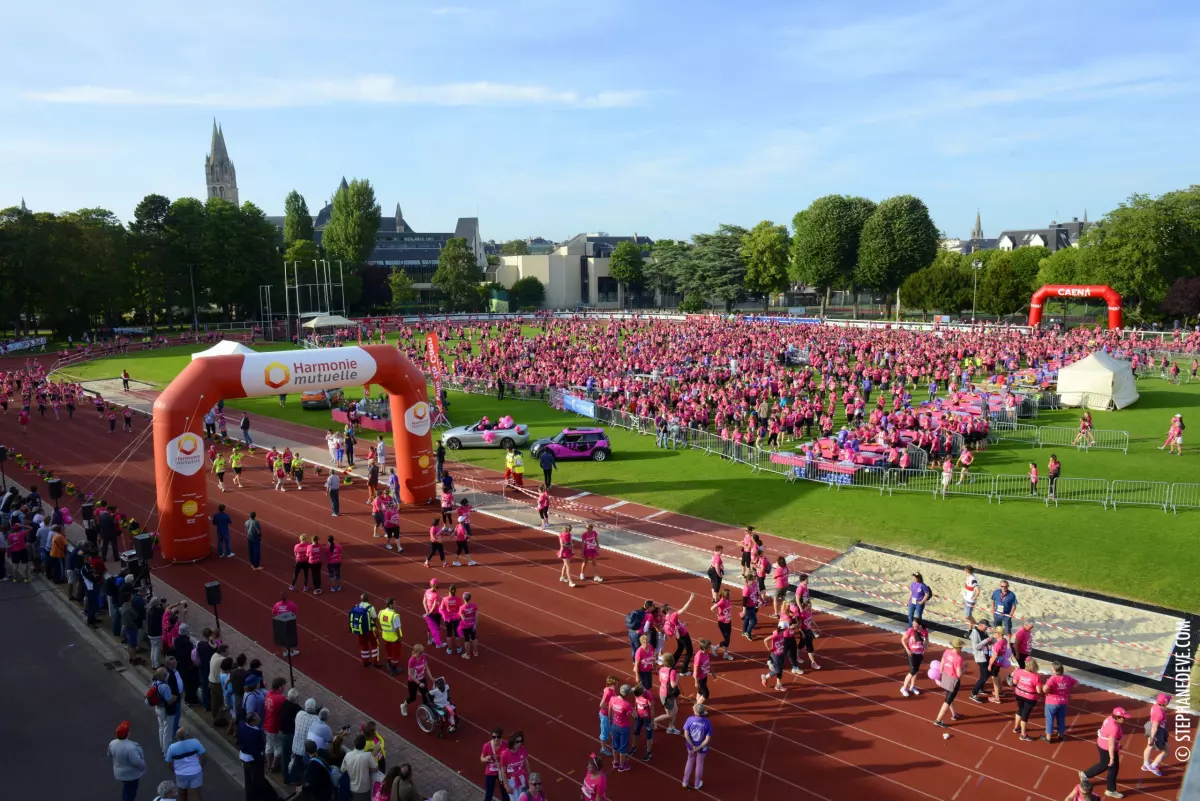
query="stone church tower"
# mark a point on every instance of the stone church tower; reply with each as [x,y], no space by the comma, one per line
[218,169]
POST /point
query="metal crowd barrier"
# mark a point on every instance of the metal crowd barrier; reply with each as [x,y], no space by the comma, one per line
[1020,432]
[1140,493]
[1100,439]
[927,482]
[1081,490]
[1185,496]
[1007,487]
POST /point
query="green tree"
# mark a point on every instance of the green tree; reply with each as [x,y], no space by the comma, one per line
[403,291]
[765,253]
[668,262]
[527,291]
[898,239]
[515,247]
[1068,266]
[626,265]
[718,269]
[185,231]
[950,283]
[914,293]
[297,222]
[304,251]
[150,258]
[826,243]
[457,276]
[1002,290]
[349,236]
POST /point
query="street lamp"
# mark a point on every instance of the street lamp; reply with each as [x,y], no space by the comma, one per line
[976,266]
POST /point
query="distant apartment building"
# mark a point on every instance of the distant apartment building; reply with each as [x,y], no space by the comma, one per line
[574,273]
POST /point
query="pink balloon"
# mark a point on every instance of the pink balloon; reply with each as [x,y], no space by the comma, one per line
[489,437]
[934,674]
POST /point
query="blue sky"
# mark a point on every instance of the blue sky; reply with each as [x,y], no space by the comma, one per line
[550,118]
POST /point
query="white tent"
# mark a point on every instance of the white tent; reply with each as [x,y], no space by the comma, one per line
[329,321]
[1098,382]
[226,347]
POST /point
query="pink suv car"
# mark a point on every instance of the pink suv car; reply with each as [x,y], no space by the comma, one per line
[575,443]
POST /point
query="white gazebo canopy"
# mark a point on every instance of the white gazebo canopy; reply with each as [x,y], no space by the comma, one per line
[1099,381]
[329,321]
[226,347]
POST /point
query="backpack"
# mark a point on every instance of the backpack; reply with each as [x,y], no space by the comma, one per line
[359,622]
[152,696]
[635,619]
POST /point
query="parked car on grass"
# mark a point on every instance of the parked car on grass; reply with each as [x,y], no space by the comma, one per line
[575,443]
[472,436]
[321,398]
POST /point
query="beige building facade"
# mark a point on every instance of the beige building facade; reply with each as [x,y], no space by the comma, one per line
[574,274]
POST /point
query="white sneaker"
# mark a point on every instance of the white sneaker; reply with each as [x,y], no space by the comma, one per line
[471,563]
[404,708]
[457,563]
[598,579]
[915,691]
[699,785]
[563,579]
[904,691]
[570,584]
[388,546]
[398,548]
[449,651]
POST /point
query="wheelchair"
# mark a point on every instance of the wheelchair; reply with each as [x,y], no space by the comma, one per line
[431,720]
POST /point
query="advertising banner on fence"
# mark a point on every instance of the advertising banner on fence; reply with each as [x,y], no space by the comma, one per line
[435,368]
[578,405]
[24,344]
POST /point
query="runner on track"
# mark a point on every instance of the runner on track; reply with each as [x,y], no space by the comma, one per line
[565,553]
[470,621]
[591,552]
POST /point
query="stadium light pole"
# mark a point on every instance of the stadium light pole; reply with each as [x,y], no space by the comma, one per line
[975,267]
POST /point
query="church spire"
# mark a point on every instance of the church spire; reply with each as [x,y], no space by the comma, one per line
[25,209]
[218,168]
[343,186]
[977,231]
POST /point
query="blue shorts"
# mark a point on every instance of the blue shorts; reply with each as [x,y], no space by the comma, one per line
[644,723]
[776,664]
[620,739]
[189,782]
[604,728]
[131,638]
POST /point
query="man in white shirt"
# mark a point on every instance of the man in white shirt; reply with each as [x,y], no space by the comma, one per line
[319,732]
[381,454]
[970,592]
[360,765]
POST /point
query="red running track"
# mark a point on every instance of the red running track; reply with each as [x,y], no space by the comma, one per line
[840,733]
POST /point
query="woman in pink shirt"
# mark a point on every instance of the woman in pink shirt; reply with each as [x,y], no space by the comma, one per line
[610,689]
[490,758]
[914,641]
[595,784]
[643,662]
[543,506]
[951,679]
[566,553]
[436,548]
[450,609]
[462,545]
[590,538]
[316,560]
[1057,690]
[418,678]
[1108,746]
[300,550]
[723,606]
[514,762]
[701,670]
[1156,735]
[431,602]
[668,692]
[716,572]
[334,561]
[779,579]
[673,626]
[998,661]
[470,619]
[1027,685]
[391,522]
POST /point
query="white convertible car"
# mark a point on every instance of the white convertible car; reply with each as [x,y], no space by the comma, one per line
[472,437]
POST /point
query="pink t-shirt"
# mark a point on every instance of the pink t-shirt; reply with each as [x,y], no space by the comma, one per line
[644,706]
[435,533]
[777,641]
[514,764]
[620,710]
[591,541]
[718,564]
[283,607]
[447,500]
[674,627]
[417,665]
[464,512]
[1058,689]
[915,642]
[645,659]
[460,532]
[1158,714]
[316,554]
[701,666]
[595,788]
[432,601]
[543,501]
[780,575]
[1023,639]
[491,753]
[300,549]
[469,612]
[1109,730]
[724,610]
[605,697]
[450,607]
[1026,683]
[952,663]
[667,677]
[335,554]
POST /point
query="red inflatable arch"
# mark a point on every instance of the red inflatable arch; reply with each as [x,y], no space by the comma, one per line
[1065,291]
[180,468]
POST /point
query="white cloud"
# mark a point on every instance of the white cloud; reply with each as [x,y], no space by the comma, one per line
[372,89]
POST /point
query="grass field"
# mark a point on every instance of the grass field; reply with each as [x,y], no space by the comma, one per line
[1138,553]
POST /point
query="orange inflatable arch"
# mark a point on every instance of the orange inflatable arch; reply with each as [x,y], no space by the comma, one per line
[180,464]
[1110,295]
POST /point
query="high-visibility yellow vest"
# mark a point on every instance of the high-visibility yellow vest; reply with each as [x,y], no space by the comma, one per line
[508,460]
[389,625]
[518,464]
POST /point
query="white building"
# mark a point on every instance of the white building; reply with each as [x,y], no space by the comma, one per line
[574,274]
